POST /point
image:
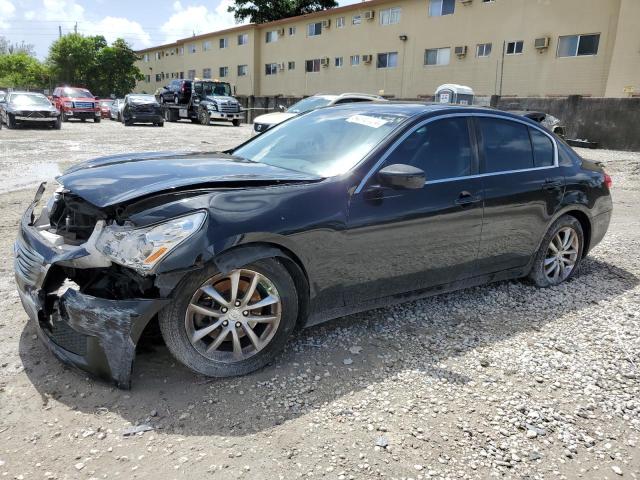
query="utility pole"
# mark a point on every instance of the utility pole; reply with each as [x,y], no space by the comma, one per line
[59,31]
[75,28]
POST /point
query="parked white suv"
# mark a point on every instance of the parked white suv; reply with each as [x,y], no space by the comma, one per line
[264,122]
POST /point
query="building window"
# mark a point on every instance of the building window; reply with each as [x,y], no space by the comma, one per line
[158,77]
[438,8]
[191,74]
[223,72]
[339,62]
[515,48]
[271,36]
[387,60]
[578,45]
[312,65]
[483,50]
[223,42]
[145,57]
[157,55]
[147,78]
[206,46]
[242,70]
[292,30]
[339,22]
[206,73]
[191,48]
[355,60]
[314,29]
[488,1]
[243,39]
[437,56]
[390,16]
[181,51]
[271,68]
[291,66]
[356,20]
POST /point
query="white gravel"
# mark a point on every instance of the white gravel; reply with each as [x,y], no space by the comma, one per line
[503,380]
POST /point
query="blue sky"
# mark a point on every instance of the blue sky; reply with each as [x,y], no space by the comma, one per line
[141,23]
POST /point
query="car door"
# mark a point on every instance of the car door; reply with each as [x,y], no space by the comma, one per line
[523,188]
[405,240]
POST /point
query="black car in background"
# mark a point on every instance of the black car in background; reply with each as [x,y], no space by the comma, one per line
[336,211]
[28,108]
[177,91]
[141,108]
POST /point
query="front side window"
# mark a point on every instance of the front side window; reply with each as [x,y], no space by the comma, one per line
[390,16]
[271,68]
[314,29]
[243,39]
[441,148]
[324,142]
[387,60]
[515,48]
[224,71]
[437,56]
[483,50]
[312,65]
[578,45]
[438,8]
[505,145]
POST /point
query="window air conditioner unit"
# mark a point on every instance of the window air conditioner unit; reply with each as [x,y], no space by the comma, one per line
[324,61]
[326,23]
[369,14]
[461,51]
[542,43]
[367,58]
[281,32]
[466,2]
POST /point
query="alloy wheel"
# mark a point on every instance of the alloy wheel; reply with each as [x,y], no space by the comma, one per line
[233,316]
[562,255]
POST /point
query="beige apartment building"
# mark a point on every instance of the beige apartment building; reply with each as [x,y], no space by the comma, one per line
[407,48]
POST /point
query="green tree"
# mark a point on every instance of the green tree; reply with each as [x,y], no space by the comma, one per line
[21,70]
[90,61]
[261,11]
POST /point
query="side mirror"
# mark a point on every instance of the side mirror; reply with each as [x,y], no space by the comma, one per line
[282,108]
[402,176]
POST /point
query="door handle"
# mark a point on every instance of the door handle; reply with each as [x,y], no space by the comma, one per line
[465,198]
[551,184]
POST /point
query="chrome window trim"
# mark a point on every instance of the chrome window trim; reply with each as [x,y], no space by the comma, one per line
[395,145]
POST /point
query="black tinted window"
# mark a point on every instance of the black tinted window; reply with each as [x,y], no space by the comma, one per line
[441,148]
[542,148]
[505,145]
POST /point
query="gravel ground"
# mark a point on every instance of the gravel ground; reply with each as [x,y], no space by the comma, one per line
[498,381]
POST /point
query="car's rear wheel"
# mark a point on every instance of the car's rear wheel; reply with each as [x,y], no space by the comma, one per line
[204,117]
[226,324]
[236,123]
[560,253]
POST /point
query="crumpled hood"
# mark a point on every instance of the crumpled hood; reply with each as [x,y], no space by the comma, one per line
[116,179]
[274,118]
[221,98]
[32,108]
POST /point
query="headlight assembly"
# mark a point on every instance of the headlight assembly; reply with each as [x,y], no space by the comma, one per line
[143,248]
[213,107]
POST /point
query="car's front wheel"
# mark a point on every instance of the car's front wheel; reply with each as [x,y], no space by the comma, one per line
[204,117]
[227,324]
[560,253]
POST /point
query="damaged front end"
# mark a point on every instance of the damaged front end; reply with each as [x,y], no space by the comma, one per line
[88,280]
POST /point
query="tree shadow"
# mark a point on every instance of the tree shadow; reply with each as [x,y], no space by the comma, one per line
[322,364]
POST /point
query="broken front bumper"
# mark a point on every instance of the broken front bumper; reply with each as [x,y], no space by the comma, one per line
[96,335]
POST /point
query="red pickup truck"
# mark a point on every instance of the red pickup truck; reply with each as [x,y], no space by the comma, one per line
[75,102]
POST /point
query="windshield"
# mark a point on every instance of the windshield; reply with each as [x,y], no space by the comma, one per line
[106,103]
[213,89]
[76,93]
[308,104]
[325,142]
[27,100]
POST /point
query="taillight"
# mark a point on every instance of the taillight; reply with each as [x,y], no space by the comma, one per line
[608,181]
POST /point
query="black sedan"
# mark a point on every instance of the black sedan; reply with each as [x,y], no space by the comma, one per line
[142,108]
[27,108]
[336,211]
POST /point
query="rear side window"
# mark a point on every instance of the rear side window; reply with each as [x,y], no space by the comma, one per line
[505,145]
[542,148]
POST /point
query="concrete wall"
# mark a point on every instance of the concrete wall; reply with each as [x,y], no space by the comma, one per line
[612,122]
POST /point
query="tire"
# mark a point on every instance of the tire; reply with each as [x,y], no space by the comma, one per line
[195,120]
[64,117]
[175,320]
[236,123]
[543,273]
[96,120]
[204,117]
[58,124]
[160,124]
[11,122]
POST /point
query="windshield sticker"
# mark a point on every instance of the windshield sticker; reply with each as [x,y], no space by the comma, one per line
[373,122]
